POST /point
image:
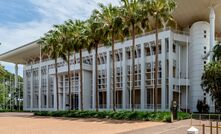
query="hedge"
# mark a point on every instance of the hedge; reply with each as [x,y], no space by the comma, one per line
[118,115]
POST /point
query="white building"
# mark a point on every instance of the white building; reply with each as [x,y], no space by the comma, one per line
[181,63]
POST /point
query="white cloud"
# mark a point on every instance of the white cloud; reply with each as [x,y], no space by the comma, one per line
[52,12]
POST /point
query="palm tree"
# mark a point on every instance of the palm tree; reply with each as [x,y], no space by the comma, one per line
[81,43]
[217,52]
[65,30]
[132,18]
[95,35]
[161,10]
[113,25]
[51,46]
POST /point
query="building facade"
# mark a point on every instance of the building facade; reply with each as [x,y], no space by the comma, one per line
[182,57]
[180,69]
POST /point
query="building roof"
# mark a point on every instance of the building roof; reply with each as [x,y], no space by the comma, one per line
[186,13]
[21,54]
[190,11]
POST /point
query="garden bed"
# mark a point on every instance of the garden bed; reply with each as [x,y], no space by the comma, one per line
[118,115]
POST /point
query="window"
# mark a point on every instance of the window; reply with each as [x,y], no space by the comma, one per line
[174,72]
[167,44]
[45,100]
[174,48]
[205,47]
[204,36]
[204,31]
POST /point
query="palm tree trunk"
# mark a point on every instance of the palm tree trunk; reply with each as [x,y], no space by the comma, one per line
[156,67]
[81,78]
[56,78]
[96,75]
[113,67]
[69,83]
[133,68]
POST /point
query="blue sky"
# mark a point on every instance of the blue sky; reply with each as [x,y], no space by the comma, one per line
[22,21]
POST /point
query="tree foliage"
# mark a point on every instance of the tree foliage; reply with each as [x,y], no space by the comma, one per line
[211,81]
[9,95]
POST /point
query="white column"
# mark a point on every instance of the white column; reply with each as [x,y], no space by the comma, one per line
[171,82]
[143,92]
[187,72]
[16,75]
[31,91]
[124,75]
[47,87]
[163,71]
[94,83]
[39,86]
[16,81]
[212,31]
[108,81]
[55,93]
[79,91]
[24,89]
[64,93]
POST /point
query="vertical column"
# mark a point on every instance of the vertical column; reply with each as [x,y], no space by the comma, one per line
[143,92]
[212,30]
[179,71]
[94,83]
[108,81]
[170,69]
[79,90]
[16,80]
[163,71]
[64,93]
[47,87]
[24,89]
[31,90]
[124,75]
[55,93]
[187,72]
[39,87]
[16,75]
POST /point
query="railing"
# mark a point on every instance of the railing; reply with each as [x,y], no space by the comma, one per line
[207,122]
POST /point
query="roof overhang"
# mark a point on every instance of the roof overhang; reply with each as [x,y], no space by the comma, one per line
[186,13]
[190,11]
[21,54]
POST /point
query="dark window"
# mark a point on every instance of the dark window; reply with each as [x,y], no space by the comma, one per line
[204,36]
[174,48]
[167,44]
[204,62]
[204,47]
[204,52]
[204,31]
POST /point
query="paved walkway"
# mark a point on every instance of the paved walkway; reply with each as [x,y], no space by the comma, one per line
[179,127]
[26,123]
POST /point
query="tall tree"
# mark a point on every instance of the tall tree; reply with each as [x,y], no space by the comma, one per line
[160,10]
[217,52]
[132,18]
[66,30]
[96,36]
[113,26]
[50,44]
[211,82]
[81,42]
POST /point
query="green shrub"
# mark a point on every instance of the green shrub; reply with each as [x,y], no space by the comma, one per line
[183,116]
[118,115]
